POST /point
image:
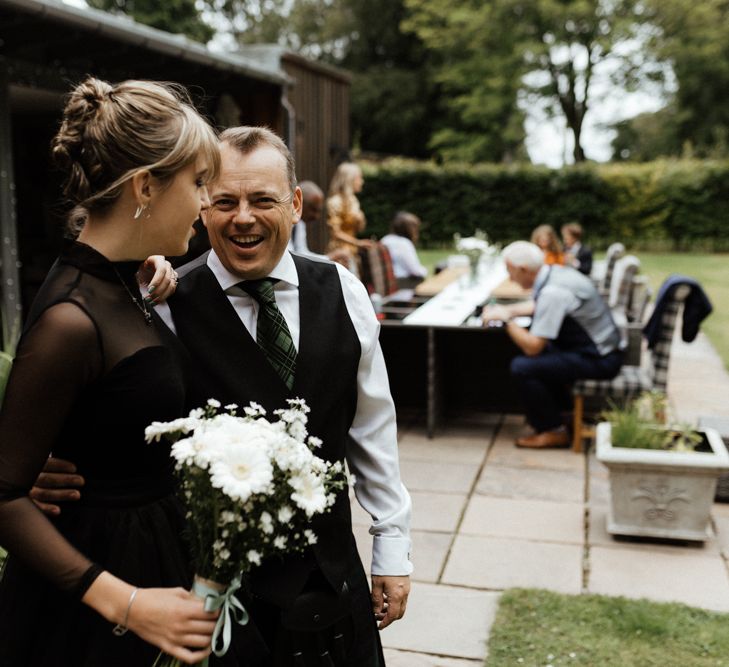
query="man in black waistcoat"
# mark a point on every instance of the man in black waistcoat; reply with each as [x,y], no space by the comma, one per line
[317,604]
[339,371]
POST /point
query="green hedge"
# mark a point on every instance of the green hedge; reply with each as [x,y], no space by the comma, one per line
[660,205]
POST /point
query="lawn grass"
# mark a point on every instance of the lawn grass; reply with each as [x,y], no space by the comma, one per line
[710,269]
[536,628]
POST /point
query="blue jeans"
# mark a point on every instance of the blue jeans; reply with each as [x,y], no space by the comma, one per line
[544,381]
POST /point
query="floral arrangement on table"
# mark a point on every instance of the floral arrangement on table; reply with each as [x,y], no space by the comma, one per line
[251,487]
[475,247]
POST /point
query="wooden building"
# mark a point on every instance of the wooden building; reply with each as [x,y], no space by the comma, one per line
[47,46]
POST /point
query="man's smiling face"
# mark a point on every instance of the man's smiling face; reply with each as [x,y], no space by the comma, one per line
[252,210]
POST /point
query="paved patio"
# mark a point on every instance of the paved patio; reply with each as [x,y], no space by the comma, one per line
[488,516]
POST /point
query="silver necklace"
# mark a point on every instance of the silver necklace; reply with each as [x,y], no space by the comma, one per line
[141,306]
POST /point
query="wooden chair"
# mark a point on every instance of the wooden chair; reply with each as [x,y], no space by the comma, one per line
[632,380]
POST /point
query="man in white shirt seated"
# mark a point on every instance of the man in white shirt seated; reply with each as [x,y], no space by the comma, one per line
[400,243]
[572,336]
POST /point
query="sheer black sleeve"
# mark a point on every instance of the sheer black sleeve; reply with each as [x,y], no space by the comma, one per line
[59,356]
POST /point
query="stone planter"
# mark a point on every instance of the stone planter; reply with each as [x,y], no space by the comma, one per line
[659,493]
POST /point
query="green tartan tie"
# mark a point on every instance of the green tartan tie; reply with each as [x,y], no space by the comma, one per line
[273,334]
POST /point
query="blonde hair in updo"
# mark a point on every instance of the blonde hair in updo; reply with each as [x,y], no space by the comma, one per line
[110,132]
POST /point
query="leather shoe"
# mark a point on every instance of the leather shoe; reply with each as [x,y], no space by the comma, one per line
[544,440]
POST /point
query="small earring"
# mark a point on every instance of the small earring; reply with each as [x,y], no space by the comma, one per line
[139,211]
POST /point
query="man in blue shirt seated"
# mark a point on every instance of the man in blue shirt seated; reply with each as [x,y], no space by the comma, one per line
[572,336]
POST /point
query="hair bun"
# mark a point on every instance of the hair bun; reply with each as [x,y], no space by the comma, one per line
[82,108]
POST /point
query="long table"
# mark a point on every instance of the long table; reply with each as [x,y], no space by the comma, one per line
[440,359]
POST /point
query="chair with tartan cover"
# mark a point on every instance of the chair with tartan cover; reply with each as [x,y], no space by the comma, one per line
[625,270]
[631,381]
[602,271]
[376,270]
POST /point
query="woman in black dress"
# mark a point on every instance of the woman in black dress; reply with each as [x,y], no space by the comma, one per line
[91,372]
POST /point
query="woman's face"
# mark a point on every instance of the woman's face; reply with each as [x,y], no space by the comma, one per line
[543,241]
[357,181]
[176,208]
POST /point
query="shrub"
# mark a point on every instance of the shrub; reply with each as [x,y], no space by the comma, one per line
[663,204]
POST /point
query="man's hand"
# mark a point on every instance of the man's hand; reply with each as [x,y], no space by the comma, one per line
[389,598]
[56,484]
[495,313]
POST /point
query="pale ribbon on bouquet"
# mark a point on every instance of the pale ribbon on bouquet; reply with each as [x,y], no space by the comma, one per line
[231,609]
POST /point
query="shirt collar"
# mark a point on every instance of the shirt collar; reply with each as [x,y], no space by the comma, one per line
[541,278]
[284,272]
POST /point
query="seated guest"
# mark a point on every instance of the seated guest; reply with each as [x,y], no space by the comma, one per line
[577,255]
[400,242]
[572,336]
[545,237]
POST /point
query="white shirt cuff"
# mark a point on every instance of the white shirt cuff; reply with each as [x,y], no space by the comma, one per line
[391,556]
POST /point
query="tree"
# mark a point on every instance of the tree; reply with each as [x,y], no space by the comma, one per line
[253,21]
[479,71]
[394,98]
[694,38]
[647,136]
[176,16]
[548,49]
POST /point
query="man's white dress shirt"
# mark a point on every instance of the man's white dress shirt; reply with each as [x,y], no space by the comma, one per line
[372,454]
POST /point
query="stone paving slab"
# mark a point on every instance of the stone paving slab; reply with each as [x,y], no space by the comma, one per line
[497,564]
[409,659]
[429,551]
[697,381]
[462,446]
[721,526]
[441,476]
[437,511]
[431,511]
[505,453]
[531,483]
[541,520]
[599,481]
[445,621]
[681,576]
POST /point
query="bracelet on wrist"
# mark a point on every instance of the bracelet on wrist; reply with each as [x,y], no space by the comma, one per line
[121,628]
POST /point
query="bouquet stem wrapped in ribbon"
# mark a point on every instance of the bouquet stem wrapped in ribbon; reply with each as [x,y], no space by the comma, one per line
[251,487]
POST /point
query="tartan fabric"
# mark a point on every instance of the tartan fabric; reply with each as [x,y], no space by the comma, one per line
[629,382]
[376,270]
[625,270]
[272,331]
[640,296]
[614,253]
[632,380]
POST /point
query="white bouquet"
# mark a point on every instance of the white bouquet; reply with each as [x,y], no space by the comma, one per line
[475,247]
[250,487]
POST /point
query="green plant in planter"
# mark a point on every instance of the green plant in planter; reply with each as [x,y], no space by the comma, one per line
[642,424]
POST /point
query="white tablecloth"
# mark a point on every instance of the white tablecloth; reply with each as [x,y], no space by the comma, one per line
[456,303]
